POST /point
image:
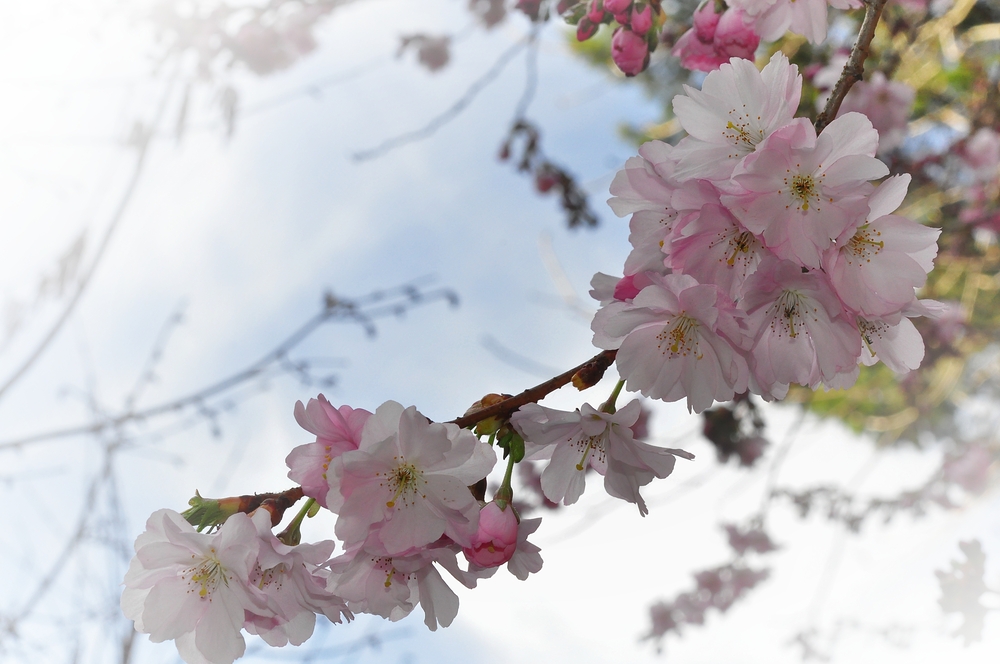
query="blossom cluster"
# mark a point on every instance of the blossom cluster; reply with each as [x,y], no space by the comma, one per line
[763,254]
[400,487]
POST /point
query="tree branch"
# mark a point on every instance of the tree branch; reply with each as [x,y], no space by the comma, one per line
[855,68]
[583,376]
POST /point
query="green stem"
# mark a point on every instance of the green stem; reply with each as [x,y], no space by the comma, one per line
[505,494]
[609,405]
[291,535]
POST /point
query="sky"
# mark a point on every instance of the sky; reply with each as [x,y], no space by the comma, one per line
[237,238]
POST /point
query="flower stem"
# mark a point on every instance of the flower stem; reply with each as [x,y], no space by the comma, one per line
[609,405]
[291,535]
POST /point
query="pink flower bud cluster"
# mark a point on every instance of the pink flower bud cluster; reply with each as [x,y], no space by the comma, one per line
[399,485]
[762,255]
[715,38]
[635,37]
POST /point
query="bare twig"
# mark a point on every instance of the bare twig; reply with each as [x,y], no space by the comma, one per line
[381,303]
[451,112]
[855,68]
[595,366]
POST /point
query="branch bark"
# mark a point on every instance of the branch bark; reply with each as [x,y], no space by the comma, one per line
[855,68]
[583,376]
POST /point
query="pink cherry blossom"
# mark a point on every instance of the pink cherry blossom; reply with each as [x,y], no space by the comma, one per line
[714,39]
[392,586]
[496,539]
[337,430]
[629,51]
[736,108]
[677,339]
[294,587]
[802,191]
[596,439]
[193,587]
[876,268]
[800,330]
[715,248]
[411,476]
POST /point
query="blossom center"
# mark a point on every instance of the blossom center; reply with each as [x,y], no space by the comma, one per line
[404,481]
[590,445]
[741,132]
[206,575]
[680,336]
[864,246]
[740,243]
[869,330]
[789,312]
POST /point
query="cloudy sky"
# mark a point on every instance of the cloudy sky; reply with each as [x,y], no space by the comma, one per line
[210,249]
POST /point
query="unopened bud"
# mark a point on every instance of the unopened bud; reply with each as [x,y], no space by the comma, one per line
[210,513]
[491,424]
[586,29]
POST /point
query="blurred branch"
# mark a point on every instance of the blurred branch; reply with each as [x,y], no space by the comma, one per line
[378,304]
[452,112]
[855,68]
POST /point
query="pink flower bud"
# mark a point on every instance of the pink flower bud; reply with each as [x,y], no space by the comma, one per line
[585,29]
[622,18]
[496,539]
[617,6]
[595,13]
[642,19]
[715,39]
[629,51]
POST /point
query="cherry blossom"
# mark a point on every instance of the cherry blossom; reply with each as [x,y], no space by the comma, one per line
[294,587]
[337,430]
[800,330]
[876,268]
[392,586]
[677,339]
[194,588]
[591,438]
[715,248]
[411,476]
[736,108]
[802,191]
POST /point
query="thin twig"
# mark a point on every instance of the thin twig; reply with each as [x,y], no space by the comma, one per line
[855,68]
[449,114]
[594,366]
[335,309]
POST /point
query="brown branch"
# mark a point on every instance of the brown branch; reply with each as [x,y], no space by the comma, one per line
[855,68]
[582,376]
